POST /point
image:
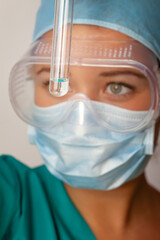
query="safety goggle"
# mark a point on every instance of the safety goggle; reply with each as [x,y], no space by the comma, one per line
[118,74]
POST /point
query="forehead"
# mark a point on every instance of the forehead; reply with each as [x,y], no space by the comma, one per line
[90,37]
[93,32]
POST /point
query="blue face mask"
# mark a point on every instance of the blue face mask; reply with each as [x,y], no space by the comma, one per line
[88,155]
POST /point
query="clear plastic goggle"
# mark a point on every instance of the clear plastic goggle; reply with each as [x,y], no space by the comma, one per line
[121,74]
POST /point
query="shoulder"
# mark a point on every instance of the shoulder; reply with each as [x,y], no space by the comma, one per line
[10,171]
[18,177]
[11,165]
[15,174]
[19,187]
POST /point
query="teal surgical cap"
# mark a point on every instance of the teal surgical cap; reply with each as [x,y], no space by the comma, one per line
[139,19]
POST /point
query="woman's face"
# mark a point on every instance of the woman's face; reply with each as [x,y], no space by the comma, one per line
[127,89]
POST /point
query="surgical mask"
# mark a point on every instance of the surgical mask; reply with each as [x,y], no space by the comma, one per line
[84,154]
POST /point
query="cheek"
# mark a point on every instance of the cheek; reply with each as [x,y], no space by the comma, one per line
[42,97]
[141,101]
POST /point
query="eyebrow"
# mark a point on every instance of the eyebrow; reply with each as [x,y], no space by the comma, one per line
[114,73]
[104,74]
[43,69]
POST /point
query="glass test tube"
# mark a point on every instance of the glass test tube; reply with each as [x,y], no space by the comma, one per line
[61,47]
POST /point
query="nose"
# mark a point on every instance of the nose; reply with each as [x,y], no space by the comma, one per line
[83,81]
[88,91]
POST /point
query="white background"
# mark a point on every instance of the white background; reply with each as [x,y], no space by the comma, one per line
[17,19]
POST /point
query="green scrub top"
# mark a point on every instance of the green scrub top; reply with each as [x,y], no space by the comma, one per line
[34,205]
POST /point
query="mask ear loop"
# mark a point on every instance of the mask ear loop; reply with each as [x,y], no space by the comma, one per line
[61,47]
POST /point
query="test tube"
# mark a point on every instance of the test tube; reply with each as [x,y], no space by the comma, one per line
[61,47]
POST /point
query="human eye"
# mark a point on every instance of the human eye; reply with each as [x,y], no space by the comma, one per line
[118,88]
[45,83]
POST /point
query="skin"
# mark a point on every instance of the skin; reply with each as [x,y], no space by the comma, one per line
[132,211]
